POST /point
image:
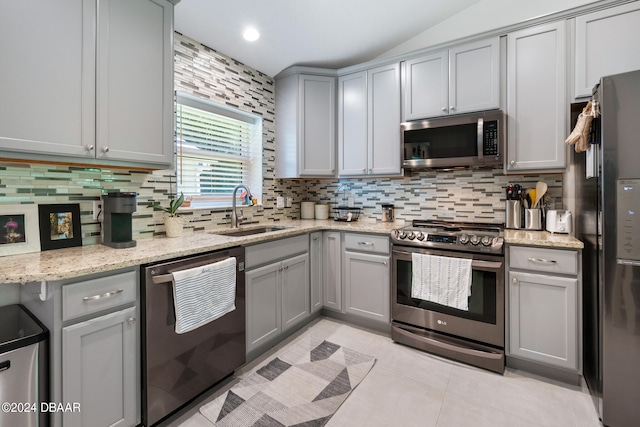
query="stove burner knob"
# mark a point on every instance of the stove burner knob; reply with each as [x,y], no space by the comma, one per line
[464,239]
[411,235]
[420,236]
[475,240]
[486,241]
[401,234]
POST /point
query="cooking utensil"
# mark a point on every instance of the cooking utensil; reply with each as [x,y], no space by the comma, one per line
[541,189]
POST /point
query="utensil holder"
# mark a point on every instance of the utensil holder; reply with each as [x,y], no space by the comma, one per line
[533,219]
[514,214]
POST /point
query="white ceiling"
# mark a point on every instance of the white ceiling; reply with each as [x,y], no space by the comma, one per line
[318,33]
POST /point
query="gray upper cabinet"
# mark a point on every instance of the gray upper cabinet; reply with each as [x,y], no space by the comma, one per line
[305,126]
[462,79]
[48,76]
[606,43]
[67,92]
[369,122]
[536,98]
[135,81]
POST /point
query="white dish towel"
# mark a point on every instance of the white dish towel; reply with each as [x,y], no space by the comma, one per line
[443,280]
[203,294]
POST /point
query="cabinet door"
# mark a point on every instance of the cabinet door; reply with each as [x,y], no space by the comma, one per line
[332,278]
[100,370]
[317,125]
[606,43]
[135,81]
[367,285]
[352,124]
[295,290]
[264,304]
[536,98]
[48,77]
[475,76]
[542,313]
[315,267]
[426,89]
[383,88]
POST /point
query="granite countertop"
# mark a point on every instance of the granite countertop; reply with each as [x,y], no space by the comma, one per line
[68,263]
[80,261]
[542,238]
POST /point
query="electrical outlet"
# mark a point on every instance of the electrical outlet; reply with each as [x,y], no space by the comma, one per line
[97,209]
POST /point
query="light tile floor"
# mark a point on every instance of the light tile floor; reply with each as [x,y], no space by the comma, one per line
[408,387]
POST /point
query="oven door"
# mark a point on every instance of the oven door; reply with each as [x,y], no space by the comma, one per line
[483,322]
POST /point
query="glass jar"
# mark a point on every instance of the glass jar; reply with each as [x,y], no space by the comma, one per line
[387,213]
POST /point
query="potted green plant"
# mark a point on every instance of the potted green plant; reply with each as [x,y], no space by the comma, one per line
[172,221]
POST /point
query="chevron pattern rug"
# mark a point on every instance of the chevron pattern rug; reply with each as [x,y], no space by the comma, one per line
[303,387]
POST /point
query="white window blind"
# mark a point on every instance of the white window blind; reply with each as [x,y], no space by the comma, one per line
[217,148]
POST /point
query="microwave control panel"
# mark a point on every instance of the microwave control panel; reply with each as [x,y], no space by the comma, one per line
[490,143]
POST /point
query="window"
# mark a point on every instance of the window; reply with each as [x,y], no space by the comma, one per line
[218,148]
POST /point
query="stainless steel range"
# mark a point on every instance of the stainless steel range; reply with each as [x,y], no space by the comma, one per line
[473,334]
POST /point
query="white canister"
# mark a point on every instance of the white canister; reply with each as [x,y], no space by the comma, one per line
[307,210]
[322,211]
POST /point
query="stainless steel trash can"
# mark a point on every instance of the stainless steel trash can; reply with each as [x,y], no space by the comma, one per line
[23,368]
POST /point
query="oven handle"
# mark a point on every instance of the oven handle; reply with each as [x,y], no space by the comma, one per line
[447,346]
[478,263]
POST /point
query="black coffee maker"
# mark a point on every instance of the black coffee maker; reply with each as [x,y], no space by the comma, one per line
[117,223]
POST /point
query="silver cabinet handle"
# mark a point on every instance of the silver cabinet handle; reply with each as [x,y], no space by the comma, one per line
[384,263]
[542,261]
[512,162]
[315,237]
[286,267]
[452,107]
[366,243]
[515,281]
[105,149]
[88,147]
[131,320]
[444,109]
[103,296]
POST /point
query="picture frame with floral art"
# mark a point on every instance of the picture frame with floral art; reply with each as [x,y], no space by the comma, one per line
[19,232]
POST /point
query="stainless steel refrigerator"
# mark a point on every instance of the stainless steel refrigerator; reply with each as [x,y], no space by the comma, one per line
[608,222]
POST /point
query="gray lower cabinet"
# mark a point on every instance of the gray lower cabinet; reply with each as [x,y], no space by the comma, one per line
[315,270]
[544,310]
[278,292]
[99,370]
[94,353]
[332,270]
[366,276]
[367,289]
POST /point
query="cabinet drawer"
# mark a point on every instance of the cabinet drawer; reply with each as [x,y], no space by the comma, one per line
[90,296]
[366,243]
[266,253]
[543,260]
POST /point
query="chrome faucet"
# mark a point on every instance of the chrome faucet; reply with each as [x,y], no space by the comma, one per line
[235,219]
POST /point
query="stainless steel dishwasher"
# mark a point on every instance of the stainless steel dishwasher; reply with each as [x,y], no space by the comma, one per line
[176,368]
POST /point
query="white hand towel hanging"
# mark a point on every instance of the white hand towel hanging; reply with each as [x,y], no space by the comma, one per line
[443,280]
[203,294]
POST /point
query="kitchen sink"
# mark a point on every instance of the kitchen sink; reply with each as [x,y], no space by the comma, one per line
[249,231]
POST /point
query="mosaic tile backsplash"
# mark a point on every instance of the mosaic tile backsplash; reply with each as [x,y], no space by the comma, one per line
[473,195]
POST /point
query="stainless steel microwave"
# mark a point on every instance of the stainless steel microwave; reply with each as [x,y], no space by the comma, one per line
[466,140]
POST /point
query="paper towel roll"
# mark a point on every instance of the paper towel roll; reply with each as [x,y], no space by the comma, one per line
[322,211]
[307,210]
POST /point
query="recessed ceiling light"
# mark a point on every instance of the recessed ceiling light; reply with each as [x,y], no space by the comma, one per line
[251,34]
